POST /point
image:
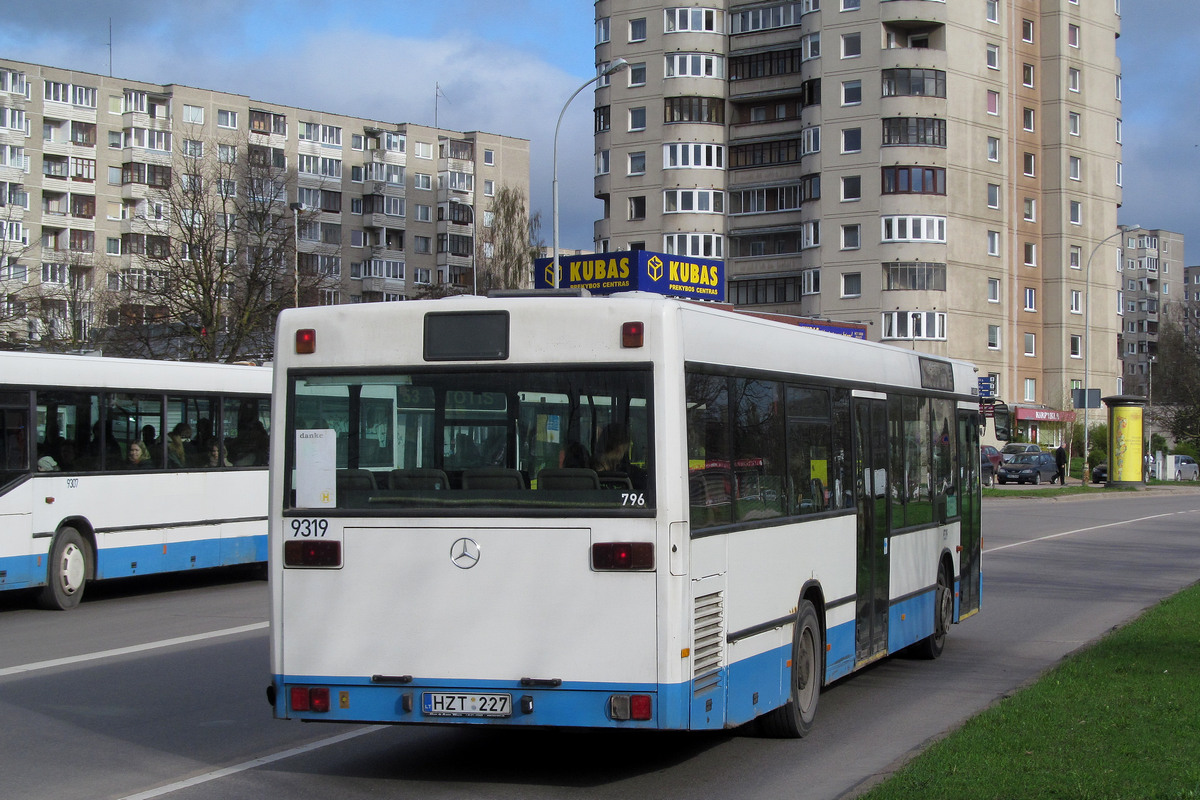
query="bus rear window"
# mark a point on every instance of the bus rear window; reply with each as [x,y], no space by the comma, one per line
[457,441]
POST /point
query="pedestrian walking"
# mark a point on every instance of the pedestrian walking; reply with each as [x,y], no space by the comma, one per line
[1060,461]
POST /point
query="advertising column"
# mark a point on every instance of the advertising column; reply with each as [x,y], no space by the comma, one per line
[1125,457]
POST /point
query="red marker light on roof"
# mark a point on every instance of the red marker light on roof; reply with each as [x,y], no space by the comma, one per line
[633,334]
[306,341]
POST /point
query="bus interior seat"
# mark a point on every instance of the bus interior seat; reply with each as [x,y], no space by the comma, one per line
[418,478]
[615,480]
[492,478]
[577,478]
[355,480]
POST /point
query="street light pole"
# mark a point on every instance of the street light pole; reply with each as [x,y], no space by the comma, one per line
[1087,333]
[296,209]
[615,66]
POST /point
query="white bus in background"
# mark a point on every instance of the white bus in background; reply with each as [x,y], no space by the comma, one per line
[629,512]
[119,467]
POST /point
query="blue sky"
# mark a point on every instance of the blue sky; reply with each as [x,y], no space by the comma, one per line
[507,67]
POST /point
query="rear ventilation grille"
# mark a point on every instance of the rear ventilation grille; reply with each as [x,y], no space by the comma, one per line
[708,642]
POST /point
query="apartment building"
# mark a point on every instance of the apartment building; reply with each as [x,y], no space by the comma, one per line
[946,173]
[381,210]
[1189,312]
[1153,289]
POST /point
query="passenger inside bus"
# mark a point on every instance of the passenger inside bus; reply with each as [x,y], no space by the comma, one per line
[612,459]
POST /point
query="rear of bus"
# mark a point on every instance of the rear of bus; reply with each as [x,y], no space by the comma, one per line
[464,520]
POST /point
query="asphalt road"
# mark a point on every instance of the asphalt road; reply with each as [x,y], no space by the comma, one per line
[156,689]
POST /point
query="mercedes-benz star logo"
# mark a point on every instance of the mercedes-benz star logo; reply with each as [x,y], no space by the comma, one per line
[464,553]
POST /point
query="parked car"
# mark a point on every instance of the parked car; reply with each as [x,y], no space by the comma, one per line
[1013,449]
[1186,468]
[989,462]
[1033,467]
[1100,473]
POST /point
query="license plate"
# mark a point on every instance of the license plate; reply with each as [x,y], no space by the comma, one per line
[463,704]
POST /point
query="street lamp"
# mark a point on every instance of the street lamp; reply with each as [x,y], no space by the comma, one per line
[615,66]
[1087,332]
[296,209]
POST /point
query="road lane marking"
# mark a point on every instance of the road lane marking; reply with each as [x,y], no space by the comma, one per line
[1086,530]
[251,764]
[137,648]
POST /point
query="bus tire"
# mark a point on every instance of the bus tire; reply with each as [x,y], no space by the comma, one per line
[795,717]
[67,571]
[943,616]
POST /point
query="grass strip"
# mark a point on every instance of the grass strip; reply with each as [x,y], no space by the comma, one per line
[1118,720]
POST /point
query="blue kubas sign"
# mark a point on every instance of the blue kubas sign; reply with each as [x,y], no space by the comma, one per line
[635,270]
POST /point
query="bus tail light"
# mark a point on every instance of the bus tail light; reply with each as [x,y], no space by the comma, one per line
[633,334]
[299,553]
[623,556]
[637,707]
[306,341]
[310,698]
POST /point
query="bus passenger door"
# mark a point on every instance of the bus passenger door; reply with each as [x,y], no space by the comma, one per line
[970,533]
[870,465]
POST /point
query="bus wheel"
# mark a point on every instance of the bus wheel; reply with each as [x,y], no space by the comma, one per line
[795,718]
[67,572]
[943,615]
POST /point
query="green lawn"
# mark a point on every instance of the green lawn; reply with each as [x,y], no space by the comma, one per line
[1120,720]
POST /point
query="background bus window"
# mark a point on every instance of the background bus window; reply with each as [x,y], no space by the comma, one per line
[710,480]
[69,430]
[911,490]
[246,428]
[758,459]
[14,426]
[136,418]
[810,449]
[944,473]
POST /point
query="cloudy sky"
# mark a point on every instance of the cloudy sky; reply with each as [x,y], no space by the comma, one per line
[507,66]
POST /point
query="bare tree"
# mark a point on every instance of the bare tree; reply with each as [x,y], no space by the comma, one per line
[212,261]
[14,266]
[510,241]
[1177,382]
[69,305]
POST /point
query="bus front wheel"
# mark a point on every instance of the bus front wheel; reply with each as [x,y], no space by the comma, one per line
[795,718]
[67,572]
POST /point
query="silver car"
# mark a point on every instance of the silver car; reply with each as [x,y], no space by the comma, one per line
[1186,468]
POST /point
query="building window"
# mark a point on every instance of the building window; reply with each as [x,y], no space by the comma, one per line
[851,140]
[691,19]
[603,119]
[694,109]
[637,74]
[993,103]
[851,93]
[992,11]
[1027,117]
[637,207]
[693,156]
[1073,35]
[1030,299]
[993,56]
[993,148]
[905,82]
[993,243]
[637,119]
[637,29]
[1029,163]
[1073,122]
[1073,79]
[851,187]
[914,131]
[852,284]
[914,180]
[851,237]
[916,276]
[1030,390]
[698,201]
[1074,256]
[637,163]
[1026,30]
[1074,168]
[993,195]
[193,114]
[851,45]
[1030,209]
[705,245]
[603,30]
[1076,301]
[914,325]
[1030,254]
[1076,346]
[226,119]
[993,334]
[489,157]
[1027,74]
[1031,344]
[694,65]
[602,162]
[1076,212]
[993,290]
[914,229]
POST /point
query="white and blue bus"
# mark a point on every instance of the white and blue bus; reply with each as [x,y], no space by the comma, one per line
[120,467]
[627,512]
